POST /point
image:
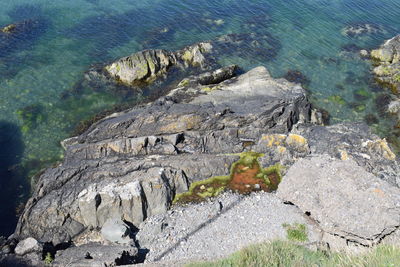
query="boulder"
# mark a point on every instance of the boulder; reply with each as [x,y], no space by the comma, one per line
[143,66]
[387,58]
[28,245]
[146,66]
[116,231]
[343,198]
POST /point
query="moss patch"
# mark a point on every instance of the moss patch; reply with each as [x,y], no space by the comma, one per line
[246,176]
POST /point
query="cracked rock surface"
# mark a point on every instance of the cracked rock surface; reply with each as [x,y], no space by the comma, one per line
[343,198]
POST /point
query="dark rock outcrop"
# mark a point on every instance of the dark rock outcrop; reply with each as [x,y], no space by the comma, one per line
[130,165]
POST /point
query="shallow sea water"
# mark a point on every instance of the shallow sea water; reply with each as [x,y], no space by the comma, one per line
[40,102]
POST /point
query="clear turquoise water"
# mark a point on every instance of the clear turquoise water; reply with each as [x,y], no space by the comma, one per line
[39,73]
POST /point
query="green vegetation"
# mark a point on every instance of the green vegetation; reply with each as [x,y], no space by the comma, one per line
[31,116]
[362,92]
[284,253]
[296,232]
[48,259]
[396,78]
[246,176]
[337,99]
[184,83]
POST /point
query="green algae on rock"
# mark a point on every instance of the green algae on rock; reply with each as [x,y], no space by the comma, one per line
[31,116]
[246,176]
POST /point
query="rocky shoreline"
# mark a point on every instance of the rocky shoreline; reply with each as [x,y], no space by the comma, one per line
[111,201]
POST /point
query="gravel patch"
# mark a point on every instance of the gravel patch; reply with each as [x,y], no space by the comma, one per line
[218,227]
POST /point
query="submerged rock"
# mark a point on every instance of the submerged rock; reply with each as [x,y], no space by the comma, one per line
[9,28]
[297,77]
[20,35]
[361,29]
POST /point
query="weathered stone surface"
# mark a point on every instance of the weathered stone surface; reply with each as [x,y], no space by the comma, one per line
[28,245]
[389,52]
[130,165]
[145,66]
[388,60]
[96,255]
[354,141]
[116,231]
[343,198]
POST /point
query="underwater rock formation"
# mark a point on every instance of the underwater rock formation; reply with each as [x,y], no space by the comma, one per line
[20,35]
[358,29]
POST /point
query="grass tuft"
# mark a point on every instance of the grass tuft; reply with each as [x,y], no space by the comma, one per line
[296,232]
[285,253]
